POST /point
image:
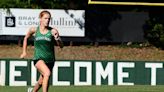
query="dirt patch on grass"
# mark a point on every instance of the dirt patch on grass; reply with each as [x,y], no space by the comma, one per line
[108,52]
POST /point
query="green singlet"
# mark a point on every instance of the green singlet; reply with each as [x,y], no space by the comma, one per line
[44,46]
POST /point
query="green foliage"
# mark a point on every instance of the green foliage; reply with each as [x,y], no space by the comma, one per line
[155,34]
[43,4]
[13,4]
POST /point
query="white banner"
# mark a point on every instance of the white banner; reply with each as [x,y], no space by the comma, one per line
[68,22]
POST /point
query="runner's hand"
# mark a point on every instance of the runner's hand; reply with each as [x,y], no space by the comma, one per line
[22,55]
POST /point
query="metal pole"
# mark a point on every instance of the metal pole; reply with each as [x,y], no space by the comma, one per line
[125,3]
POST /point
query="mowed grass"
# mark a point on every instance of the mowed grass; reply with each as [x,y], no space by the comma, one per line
[136,88]
[87,52]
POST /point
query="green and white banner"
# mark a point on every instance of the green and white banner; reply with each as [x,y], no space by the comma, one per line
[21,72]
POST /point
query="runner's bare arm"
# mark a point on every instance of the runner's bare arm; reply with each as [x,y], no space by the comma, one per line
[55,33]
[29,34]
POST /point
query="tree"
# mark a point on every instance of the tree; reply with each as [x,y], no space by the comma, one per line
[48,4]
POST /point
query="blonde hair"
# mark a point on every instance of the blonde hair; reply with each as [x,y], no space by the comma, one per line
[44,12]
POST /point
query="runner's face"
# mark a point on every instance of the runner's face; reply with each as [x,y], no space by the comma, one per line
[45,19]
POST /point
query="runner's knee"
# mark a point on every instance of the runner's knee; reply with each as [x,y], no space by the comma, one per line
[47,74]
[40,82]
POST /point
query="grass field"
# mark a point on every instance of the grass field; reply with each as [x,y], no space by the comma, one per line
[138,88]
[87,52]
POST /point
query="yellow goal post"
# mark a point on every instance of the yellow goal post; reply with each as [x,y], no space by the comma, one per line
[125,3]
